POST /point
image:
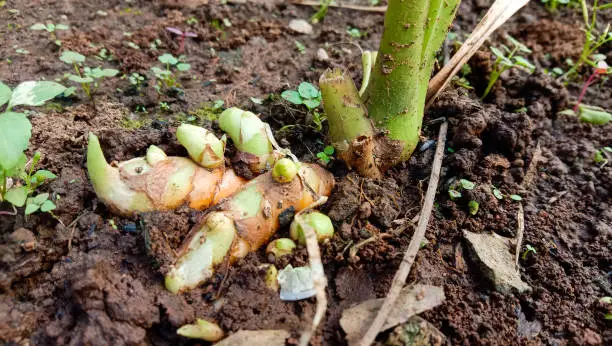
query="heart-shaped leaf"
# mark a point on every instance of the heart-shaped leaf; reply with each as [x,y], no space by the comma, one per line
[35,93]
[15,132]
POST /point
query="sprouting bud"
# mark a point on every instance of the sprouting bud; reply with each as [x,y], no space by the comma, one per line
[271,276]
[249,135]
[284,170]
[320,222]
[202,145]
[203,330]
[155,155]
[280,247]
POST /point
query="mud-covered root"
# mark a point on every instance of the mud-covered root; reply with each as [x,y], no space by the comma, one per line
[243,223]
[156,181]
[248,133]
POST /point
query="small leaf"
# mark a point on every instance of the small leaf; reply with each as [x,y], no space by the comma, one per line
[292,96]
[307,90]
[183,67]
[453,194]
[35,93]
[47,206]
[323,157]
[516,197]
[466,184]
[569,112]
[38,27]
[15,132]
[168,59]
[5,93]
[498,194]
[473,207]
[70,57]
[311,103]
[43,174]
[31,208]
[40,198]
[80,80]
[256,100]
[329,150]
[61,27]
[16,196]
[519,60]
[594,115]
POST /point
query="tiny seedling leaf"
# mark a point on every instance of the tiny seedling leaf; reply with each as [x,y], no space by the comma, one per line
[5,94]
[454,194]
[466,184]
[61,27]
[323,157]
[308,91]
[498,194]
[70,57]
[292,96]
[35,93]
[473,206]
[183,67]
[311,103]
[15,132]
[43,174]
[31,208]
[519,60]
[78,79]
[16,196]
[38,26]
[594,115]
[39,199]
[516,197]
[47,206]
[168,59]
[329,150]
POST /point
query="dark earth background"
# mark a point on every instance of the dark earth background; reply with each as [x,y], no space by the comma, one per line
[91,283]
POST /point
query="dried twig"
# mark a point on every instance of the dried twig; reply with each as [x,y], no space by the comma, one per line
[378,9]
[532,169]
[318,275]
[497,15]
[413,247]
[520,230]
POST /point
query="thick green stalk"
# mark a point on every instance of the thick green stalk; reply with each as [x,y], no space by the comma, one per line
[395,98]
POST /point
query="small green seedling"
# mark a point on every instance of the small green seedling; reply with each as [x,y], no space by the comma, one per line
[165,77]
[300,47]
[516,198]
[589,114]
[593,38]
[607,301]
[356,33]
[461,78]
[326,155]
[497,193]
[454,191]
[309,96]
[17,183]
[51,29]
[601,156]
[88,78]
[473,207]
[526,252]
[137,81]
[322,12]
[466,184]
[553,5]
[506,59]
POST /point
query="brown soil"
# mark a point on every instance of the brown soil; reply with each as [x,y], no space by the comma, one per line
[90,281]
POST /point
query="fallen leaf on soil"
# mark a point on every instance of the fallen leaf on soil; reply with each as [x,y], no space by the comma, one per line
[256,337]
[412,300]
[492,252]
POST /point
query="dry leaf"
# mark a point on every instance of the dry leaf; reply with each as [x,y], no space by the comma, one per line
[256,337]
[412,300]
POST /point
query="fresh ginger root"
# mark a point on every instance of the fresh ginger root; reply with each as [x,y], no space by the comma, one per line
[243,223]
[157,181]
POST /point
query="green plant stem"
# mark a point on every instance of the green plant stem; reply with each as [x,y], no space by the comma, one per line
[395,97]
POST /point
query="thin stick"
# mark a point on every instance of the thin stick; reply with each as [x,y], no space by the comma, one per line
[413,247]
[498,14]
[318,275]
[520,230]
[377,9]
